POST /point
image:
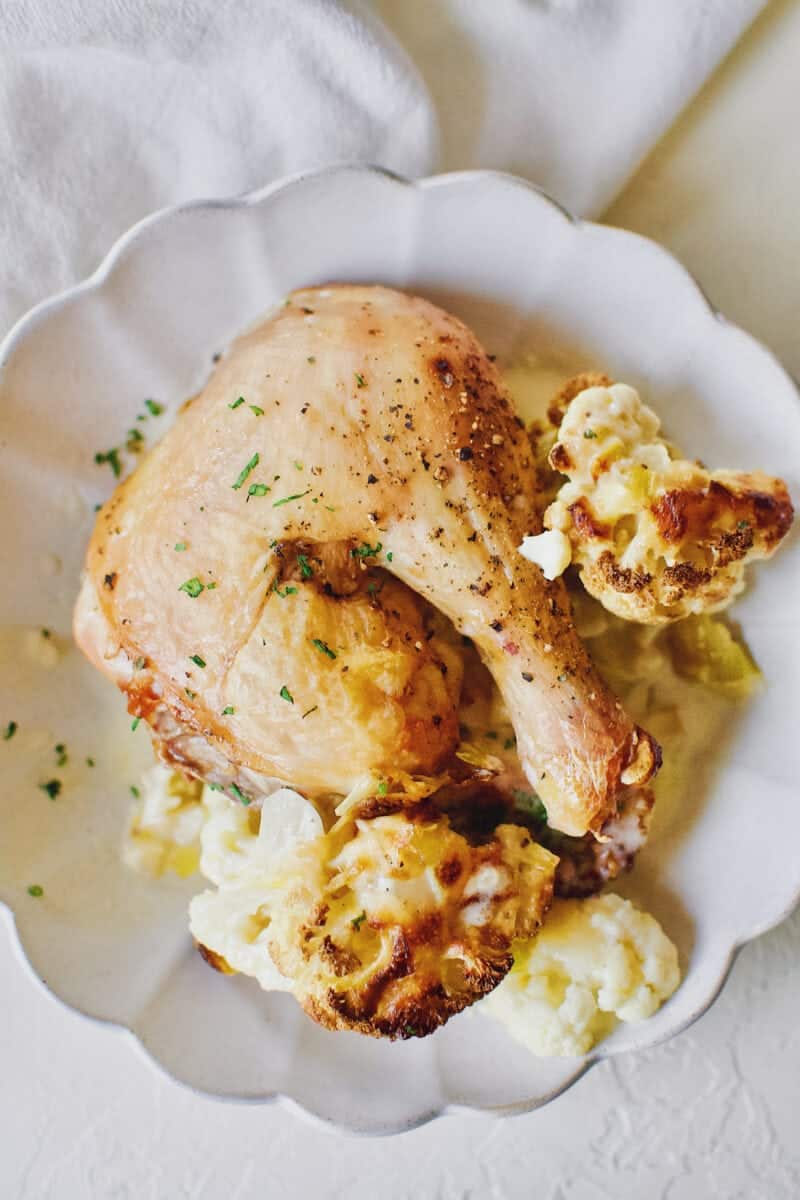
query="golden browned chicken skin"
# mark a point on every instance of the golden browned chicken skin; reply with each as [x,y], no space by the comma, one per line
[373,430]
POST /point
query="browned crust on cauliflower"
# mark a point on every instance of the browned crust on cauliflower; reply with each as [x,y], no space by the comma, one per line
[655,537]
[761,518]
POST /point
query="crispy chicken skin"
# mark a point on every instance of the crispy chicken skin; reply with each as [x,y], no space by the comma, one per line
[373,427]
[388,682]
[656,537]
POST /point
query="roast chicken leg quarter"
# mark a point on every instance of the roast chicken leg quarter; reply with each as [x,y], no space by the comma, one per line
[356,428]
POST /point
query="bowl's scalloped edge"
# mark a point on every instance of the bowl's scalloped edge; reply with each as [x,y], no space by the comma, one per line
[127,243]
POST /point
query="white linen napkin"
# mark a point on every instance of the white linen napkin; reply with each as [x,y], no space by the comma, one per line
[112,108]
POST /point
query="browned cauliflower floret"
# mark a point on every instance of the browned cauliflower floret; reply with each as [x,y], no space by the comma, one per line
[386,925]
[655,537]
[401,923]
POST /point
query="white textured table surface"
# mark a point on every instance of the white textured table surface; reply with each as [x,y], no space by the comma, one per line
[714,1113]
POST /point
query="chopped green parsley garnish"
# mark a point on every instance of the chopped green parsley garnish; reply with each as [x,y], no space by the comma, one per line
[190,693]
[287,591]
[389,556]
[134,441]
[360,380]
[239,794]
[228,710]
[286,499]
[742,524]
[366,551]
[135,791]
[298,466]
[61,755]
[36,890]
[197,660]
[52,788]
[154,408]
[245,471]
[358,921]
[509,743]
[324,647]
[589,433]
[309,711]
[193,587]
[285,694]
[257,489]
[410,1031]
[237,402]
[180,546]
[306,570]
[210,587]
[112,458]
[90,762]
[135,722]
[10,729]
[138,664]
[383,788]
[214,787]
[254,408]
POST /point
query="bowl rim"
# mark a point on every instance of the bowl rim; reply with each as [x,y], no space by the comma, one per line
[124,244]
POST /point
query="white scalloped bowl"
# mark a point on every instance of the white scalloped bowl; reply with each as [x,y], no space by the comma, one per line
[175,289]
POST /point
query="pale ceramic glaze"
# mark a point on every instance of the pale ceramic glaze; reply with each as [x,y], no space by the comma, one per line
[73,376]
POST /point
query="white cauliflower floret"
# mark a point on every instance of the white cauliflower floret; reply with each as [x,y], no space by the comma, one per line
[242,842]
[550,550]
[242,847]
[231,928]
[595,962]
[656,537]
[164,825]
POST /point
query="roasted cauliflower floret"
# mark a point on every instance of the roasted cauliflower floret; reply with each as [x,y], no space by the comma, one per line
[387,926]
[406,923]
[655,536]
[596,962]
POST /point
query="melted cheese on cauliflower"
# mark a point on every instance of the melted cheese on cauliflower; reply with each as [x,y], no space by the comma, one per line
[656,536]
[596,962]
